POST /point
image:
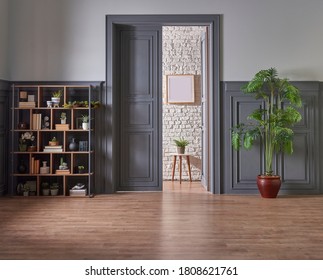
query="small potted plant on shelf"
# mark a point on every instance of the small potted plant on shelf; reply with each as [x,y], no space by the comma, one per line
[56,97]
[54,187]
[181,144]
[25,190]
[45,188]
[272,124]
[85,122]
[26,142]
[53,142]
[63,118]
[81,169]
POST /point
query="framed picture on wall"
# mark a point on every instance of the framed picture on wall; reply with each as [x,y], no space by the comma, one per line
[180,89]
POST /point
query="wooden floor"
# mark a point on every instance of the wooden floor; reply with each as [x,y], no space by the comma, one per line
[183,222]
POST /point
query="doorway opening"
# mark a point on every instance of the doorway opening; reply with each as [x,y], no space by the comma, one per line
[184,55]
[132,136]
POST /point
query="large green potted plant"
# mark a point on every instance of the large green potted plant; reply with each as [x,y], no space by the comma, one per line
[272,123]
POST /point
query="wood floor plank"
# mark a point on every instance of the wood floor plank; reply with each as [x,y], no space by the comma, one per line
[183,222]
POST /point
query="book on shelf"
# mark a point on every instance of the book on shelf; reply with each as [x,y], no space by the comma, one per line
[62,172]
[51,150]
[62,126]
[27,104]
[34,167]
[36,121]
[54,147]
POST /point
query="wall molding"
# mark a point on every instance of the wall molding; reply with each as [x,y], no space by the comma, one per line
[301,174]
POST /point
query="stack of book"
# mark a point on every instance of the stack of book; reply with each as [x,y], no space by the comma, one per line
[27,104]
[36,121]
[53,149]
[34,168]
[62,126]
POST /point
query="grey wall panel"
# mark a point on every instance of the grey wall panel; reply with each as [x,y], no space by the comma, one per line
[4,135]
[299,171]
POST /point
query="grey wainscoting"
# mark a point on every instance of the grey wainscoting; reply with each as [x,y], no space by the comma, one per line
[300,171]
[4,121]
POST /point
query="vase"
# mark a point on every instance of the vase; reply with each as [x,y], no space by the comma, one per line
[45,192]
[31,149]
[22,168]
[44,169]
[73,146]
[181,150]
[268,186]
[85,126]
[22,147]
[54,192]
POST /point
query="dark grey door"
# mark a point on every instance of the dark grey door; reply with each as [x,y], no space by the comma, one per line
[139,94]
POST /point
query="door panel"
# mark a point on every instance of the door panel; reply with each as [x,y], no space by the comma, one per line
[140,107]
[204,106]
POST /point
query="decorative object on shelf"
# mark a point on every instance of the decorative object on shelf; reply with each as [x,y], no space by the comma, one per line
[22,125]
[54,188]
[26,140]
[63,168]
[49,104]
[272,124]
[181,144]
[45,188]
[63,165]
[81,169]
[22,168]
[31,148]
[73,146]
[83,146]
[22,147]
[53,142]
[85,122]
[45,122]
[44,169]
[63,118]
[23,96]
[78,190]
[56,97]
[25,190]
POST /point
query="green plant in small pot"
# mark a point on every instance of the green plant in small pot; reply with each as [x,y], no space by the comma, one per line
[45,188]
[25,190]
[81,169]
[272,124]
[85,122]
[56,97]
[63,118]
[181,144]
[54,188]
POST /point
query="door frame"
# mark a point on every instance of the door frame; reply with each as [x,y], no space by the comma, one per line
[108,162]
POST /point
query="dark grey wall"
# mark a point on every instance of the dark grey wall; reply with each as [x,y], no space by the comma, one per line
[4,135]
[300,171]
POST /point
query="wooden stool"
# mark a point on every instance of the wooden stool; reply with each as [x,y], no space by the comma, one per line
[180,166]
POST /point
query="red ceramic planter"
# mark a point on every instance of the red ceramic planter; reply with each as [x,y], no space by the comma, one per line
[268,186]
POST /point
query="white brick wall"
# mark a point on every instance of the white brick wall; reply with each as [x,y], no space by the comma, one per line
[181,55]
